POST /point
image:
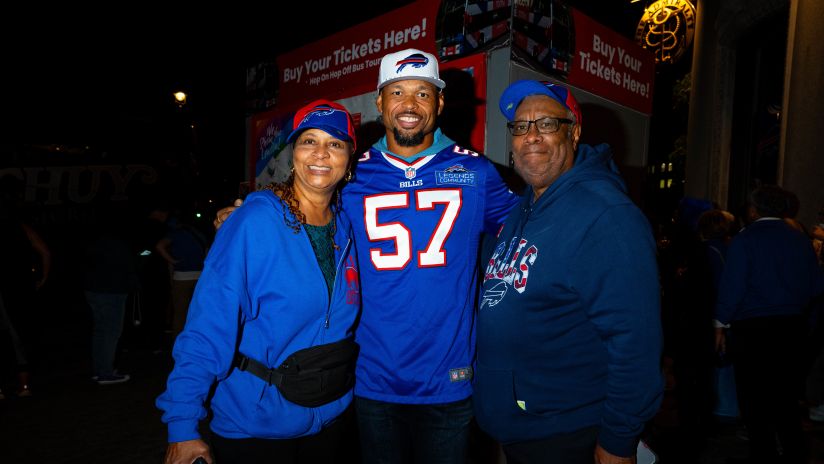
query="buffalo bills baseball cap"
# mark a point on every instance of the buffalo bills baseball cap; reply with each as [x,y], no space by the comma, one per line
[518,90]
[327,116]
[409,64]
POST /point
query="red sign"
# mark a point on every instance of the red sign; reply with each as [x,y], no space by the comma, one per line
[611,66]
[347,63]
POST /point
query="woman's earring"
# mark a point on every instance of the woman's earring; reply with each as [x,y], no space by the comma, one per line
[348,176]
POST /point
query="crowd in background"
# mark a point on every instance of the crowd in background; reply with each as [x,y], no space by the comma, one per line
[765,370]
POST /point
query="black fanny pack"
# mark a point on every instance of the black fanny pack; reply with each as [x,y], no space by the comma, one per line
[310,377]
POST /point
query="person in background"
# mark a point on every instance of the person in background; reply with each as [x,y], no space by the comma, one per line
[154,298]
[814,384]
[770,277]
[716,228]
[184,248]
[569,331]
[20,278]
[110,276]
[817,235]
[13,352]
[419,204]
[281,277]
[705,387]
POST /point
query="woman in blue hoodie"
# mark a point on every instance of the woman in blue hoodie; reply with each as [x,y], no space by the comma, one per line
[281,277]
[569,334]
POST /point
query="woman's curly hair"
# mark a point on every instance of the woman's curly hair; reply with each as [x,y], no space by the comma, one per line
[285,191]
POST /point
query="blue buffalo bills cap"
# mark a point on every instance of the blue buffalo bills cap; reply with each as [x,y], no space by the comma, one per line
[327,116]
[409,64]
[518,90]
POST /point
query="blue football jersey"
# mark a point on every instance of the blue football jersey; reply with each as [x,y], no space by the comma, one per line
[417,231]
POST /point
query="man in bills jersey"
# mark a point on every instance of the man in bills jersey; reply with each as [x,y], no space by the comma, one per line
[419,204]
[424,203]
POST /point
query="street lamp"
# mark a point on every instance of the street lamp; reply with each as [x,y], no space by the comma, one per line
[180,98]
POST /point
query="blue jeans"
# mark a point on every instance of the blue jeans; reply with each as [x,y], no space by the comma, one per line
[392,433]
[107,318]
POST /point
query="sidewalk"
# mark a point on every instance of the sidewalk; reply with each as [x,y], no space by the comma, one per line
[71,419]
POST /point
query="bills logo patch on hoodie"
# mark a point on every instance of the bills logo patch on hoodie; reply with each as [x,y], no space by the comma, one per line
[509,265]
[352,281]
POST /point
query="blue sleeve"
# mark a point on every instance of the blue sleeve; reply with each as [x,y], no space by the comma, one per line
[616,274]
[733,284]
[205,350]
[499,200]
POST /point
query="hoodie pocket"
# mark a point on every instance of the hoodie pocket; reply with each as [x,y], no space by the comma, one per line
[499,410]
[494,393]
[496,406]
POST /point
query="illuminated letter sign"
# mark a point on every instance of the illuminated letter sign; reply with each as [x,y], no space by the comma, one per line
[667,28]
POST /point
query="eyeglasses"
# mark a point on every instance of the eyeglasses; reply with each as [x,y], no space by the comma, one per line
[544,125]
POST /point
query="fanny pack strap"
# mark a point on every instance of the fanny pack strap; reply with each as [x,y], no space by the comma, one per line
[258,369]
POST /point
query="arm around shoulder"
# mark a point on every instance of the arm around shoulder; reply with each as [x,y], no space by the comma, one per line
[224,213]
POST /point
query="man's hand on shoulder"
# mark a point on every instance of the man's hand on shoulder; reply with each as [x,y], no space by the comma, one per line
[224,213]
[603,456]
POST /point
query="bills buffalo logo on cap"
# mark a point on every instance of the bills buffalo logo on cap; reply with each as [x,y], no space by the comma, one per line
[327,116]
[318,111]
[409,64]
[415,60]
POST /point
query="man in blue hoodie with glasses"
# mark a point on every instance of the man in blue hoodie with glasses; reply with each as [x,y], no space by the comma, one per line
[569,333]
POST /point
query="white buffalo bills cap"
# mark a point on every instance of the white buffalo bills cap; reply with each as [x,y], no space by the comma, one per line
[409,64]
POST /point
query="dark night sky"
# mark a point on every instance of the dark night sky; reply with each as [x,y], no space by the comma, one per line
[105,79]
[89,76]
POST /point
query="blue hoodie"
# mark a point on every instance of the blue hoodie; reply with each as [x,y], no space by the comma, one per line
[263,292]
[771,270]
[569,332]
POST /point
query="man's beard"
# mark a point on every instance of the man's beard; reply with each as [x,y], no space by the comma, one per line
[408,140]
